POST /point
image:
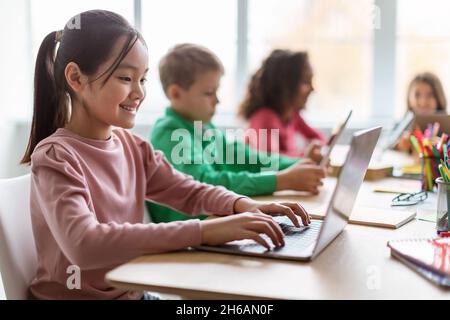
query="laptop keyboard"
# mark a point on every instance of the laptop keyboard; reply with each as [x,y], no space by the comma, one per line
[296,239]
[300,238]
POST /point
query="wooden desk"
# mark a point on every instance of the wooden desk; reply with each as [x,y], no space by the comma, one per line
[381,164]
[317,205]
[356,265]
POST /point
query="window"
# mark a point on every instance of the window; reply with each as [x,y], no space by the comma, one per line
[423,44]
[15,64]
[338,37]
[209,23]
[50,15]
[338,34]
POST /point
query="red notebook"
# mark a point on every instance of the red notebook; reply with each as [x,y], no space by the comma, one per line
[429,257]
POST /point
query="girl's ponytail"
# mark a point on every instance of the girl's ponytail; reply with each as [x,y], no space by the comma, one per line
[49,113]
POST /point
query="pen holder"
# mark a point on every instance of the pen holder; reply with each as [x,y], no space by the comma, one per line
[430,172]
[443,206]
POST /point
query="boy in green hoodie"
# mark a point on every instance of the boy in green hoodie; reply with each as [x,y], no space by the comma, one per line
[190,76]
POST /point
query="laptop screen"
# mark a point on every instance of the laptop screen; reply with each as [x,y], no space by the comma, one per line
[350,179]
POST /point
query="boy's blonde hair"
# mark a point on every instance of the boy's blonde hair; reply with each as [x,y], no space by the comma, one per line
[184,63]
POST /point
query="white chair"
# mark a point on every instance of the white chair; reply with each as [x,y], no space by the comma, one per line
[18,258]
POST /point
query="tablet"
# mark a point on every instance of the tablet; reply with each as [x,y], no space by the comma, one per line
[422,121]
[392,137]
[334,137]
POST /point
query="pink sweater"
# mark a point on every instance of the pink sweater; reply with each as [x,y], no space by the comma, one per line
[266,118]
[87,208]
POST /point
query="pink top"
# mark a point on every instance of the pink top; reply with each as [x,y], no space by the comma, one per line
[266,118]
[87,209]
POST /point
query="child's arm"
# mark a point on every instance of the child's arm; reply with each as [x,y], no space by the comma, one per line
[247,181]
[301,176]
[404,144]
[283,161]
[181,192]
[61,194]
[242,182]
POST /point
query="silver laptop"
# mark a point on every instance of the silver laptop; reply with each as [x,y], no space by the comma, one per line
[305,243]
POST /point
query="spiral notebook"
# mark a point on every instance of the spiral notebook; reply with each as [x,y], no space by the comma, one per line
[428,257]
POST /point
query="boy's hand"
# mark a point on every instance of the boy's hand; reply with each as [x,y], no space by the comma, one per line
[313,151]
[301,177]
[404,144]
[290,209]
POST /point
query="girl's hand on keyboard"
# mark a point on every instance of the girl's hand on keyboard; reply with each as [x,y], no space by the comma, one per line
[247,225]
[290,209]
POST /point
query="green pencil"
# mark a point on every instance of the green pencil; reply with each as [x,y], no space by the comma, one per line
[415,144]
[444,176]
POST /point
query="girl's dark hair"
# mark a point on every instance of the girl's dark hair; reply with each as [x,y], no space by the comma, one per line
[275,83]
[436,86]
[87,40]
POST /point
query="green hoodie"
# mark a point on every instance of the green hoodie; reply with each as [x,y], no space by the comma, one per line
[214,160]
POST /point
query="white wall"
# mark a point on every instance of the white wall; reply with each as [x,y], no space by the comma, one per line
[15,82]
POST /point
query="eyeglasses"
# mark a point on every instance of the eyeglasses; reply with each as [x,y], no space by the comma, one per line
[409,199]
